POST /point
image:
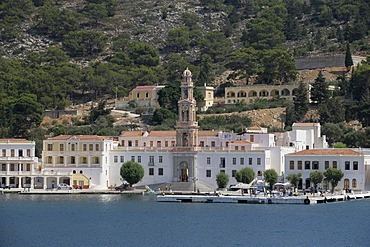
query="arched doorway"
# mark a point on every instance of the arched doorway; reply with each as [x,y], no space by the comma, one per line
[308,183]
[184,171]
[346,183]
[300,184]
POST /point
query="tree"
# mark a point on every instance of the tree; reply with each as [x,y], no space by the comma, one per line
[319,90]
[243,62]
[83,43]
[132,172]
[178,39]
[271,177]
[316,177]
[222,180]
[348,62]
[163,114]
[331,111]
[300,102]
[245,175]
[168,97]
[333,175]
[294,179]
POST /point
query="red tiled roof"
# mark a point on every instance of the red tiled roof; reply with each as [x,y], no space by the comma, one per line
[241,142]
[207,133]
[304,124]
[132,133]
[163,133]
[14,140]
[327,152]
[79,137]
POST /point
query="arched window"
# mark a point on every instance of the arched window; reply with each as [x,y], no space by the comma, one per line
[259,173]
[346,183]
[81,172]
[354,183]
[74,171]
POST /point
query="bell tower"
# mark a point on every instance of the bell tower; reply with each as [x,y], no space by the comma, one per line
[187,126]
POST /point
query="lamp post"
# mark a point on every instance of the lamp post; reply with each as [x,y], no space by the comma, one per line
[195,179]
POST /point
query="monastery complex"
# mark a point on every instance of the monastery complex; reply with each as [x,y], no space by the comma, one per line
[184,155]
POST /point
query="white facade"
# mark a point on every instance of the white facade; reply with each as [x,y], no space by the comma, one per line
[351,163]
[18,163]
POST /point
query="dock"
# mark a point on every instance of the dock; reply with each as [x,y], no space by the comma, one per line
[304,200]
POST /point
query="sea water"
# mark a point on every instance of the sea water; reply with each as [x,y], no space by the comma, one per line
[138,220]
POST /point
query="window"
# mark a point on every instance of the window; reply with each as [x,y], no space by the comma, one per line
[346,183]
[49,160]
[233,173]
[346,165]
[12,167]
[73,160]
[151,159]
[258,161]
[122,159]
[28,168]
[91,147]
[137,95]
[133,158]
[115,159]
[259,173]
[151,171]
[84,160]
[355,166]
[3,167]
[250,161]
[28,152]
[61,160]
[299,165]
[12,153]
[307,165]
[335,164]
[160,171]
[208,160]
[213,144]
[84,147]
[241,161]
[291,165]
[61,147]
[151,143]
[208,173]
[146,95]
[234,161]
[97,147]
[129,143]
[136,143]
[73,147]
[201,144]
[354,183]
[160,159]
[326,164]
[251,138]
[50,147]
[222,171]
[166,143]
[139,159]
[222,162]
[159,144]
[315,165]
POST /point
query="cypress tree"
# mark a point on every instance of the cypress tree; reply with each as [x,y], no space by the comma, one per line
[348,62]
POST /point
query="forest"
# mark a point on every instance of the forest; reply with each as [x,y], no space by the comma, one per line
[58,53]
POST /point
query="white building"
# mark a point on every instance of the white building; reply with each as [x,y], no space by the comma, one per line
[350,162]
[18,163]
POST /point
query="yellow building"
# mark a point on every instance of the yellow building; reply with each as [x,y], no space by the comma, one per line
[208,97]
[250,93]
[146,95]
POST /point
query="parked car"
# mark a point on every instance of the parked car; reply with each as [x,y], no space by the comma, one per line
[64,186]
[123,186]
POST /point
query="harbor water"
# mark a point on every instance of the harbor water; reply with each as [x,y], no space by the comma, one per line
[138,220]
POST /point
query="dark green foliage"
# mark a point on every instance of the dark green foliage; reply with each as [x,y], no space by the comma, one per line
[83,43]
[245,175]
[294,179]
[178,39]
[97,112]
[168,97]
[162,115]
[300,103]
[331,111]
[132,172]
[348,62]
[222,180]
[271,177]
[316,177]
[319,90]
[333,175]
